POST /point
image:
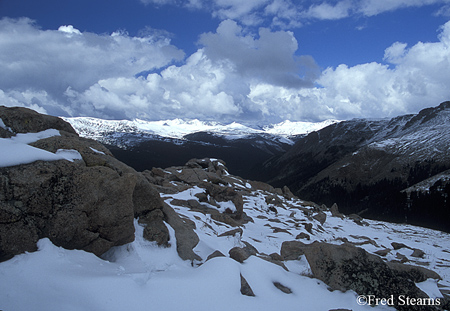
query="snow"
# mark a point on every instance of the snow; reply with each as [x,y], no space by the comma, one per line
[178,128]
[3,126]
[97,151]
[16,151]
[430,288]
[288,128]
[141,275]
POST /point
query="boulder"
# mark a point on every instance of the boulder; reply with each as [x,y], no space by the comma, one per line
[240,254]
[397,245]
[320,217]
[303,235]
[415,273]
[88,204]
[335,211]
[232,232]
[24,120]
[346,267]
[75,206]
[292,250]
[418,253]
[154,228]
[224,194]
[245,288]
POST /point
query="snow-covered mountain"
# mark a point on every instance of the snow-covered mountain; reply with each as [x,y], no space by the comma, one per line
[100,129]
[146,144]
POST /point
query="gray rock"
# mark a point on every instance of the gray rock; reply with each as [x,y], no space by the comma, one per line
[87,204]
[308,227]
[154,228]
[232,232]
[185,235]
[418,253]
[224,194]
[320,217]
[24,120]
[415,273]
[303,235]
[240,254]
[292,250]
[383,252]
[245,288]
[283,288]
[215,254]
[397,246]
[335,211]
[346,267]
[75,206]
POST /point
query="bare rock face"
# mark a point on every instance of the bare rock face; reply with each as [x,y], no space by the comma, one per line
[87,204]
[185,235]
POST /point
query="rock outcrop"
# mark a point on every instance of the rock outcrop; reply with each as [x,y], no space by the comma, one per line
[88,204]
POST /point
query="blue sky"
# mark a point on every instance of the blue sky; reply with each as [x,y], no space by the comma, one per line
[254,61]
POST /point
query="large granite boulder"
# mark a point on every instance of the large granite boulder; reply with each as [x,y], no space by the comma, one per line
[24,120]
[347,267]
[88,204]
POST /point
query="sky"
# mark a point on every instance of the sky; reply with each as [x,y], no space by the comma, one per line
[253,61]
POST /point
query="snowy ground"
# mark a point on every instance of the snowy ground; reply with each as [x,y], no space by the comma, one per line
[143,276]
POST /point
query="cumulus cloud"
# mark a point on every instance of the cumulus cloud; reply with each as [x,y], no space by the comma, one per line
[53,60]
[235,75]
[418,78]
[269,58]
[214,83]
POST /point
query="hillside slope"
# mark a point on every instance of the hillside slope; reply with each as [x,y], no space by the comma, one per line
[364,166]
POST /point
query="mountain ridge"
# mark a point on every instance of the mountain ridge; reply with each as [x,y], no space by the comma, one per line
[348,161]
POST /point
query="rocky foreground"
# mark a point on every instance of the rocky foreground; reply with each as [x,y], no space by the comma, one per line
[267,242]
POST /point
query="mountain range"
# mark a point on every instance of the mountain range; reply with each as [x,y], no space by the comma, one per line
[146,144]
[390,169]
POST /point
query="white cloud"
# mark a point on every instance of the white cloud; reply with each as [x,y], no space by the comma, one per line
[197,89]
[69,29]
[395,53]
[219,86]
[289,14]
[53,60]
[419,79]
[375,7]
[268,58]
[326,11]
[236,75]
